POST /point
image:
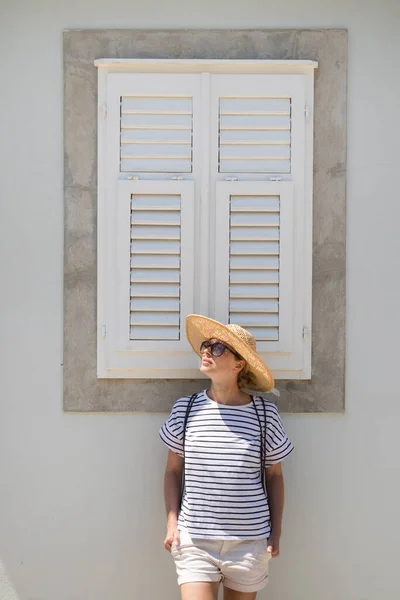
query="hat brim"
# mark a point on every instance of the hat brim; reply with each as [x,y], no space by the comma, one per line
[199,328]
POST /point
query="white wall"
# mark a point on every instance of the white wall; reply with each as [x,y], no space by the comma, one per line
[81,510]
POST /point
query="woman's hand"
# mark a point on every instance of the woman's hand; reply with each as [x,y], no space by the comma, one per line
[273,545]
[171,537]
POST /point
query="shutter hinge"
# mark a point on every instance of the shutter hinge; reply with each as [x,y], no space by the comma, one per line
[307,112]
[103,108]
[306,332]
[104,331]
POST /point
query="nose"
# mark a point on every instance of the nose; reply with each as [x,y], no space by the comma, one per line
[206,352]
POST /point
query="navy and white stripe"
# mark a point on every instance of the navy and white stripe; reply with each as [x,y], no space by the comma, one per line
[224,497]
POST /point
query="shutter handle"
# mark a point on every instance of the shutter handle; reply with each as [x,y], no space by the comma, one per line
[231,179]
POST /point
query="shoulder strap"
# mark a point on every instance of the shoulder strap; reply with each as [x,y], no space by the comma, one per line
[263,439]
[185,422]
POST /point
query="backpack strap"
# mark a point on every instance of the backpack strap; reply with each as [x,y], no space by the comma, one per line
[185,422]
[263,439]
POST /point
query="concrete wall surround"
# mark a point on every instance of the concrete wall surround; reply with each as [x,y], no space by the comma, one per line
[82,390]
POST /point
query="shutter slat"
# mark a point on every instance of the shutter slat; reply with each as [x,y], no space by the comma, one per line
[253,218]
[155,136]
[155,261]
[155,104]
[254,137]
[154,333]
[251,247]
[160,319]
[255,166]
[254,305]
[156,121]
[144,232]
[255,105]
[257,319]
[155,275]
[172,151]
[156,217]
[259,152]
[254,233]
[258,122]
[155,290]
[154,304]
[155,202]
[265,334]
[254,262]
[156,166]
[155,247]
[155,268]
[257,203]
[254,276]
[254,291]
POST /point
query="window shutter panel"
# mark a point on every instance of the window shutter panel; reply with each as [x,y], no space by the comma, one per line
[254,260]
[155,255]
[151,131]
[259,202]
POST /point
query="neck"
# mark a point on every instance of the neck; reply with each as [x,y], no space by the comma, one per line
[227,393]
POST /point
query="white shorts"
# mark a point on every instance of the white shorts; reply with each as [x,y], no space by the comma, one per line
[241,565]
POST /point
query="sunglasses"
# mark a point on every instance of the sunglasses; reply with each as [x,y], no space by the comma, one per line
[217,349]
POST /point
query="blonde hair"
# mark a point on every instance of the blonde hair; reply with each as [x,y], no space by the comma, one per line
[246,379]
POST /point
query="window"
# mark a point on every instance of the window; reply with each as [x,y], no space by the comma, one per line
[205,206]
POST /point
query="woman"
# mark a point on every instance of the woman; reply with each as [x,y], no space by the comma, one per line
[227,446]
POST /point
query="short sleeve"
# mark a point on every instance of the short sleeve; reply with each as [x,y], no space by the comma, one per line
[171,432]
[277,444]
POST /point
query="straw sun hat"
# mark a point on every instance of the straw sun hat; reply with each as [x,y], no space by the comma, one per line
[199,329]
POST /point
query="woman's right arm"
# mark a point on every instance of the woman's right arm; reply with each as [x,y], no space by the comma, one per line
[172,496]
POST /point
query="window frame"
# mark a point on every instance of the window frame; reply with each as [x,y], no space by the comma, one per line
[107,68]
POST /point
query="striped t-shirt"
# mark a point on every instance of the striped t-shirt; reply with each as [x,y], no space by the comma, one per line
[224,497]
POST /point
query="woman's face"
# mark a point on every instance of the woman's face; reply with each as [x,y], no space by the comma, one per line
[224,367]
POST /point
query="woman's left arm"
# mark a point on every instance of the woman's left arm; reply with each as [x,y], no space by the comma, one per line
[276,495]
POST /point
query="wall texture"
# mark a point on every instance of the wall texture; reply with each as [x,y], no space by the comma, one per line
[81,510]
[82,390]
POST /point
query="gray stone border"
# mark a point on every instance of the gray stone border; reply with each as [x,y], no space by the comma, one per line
[82,390]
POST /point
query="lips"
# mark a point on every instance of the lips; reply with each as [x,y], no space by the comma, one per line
[205,361]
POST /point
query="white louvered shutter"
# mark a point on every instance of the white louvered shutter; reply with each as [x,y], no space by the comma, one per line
[152,130]
[259,176]
[254,264]
[155,232]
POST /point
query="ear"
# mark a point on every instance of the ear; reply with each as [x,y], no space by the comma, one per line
[240,364]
